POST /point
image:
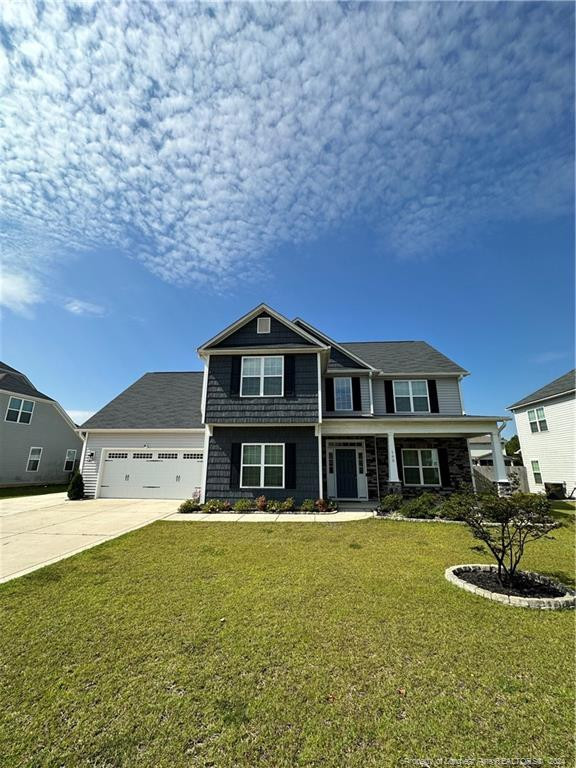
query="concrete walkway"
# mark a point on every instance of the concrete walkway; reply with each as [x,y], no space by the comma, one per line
[38,530]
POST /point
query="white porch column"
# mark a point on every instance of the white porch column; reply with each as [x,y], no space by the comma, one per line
[500,475]
[392,463]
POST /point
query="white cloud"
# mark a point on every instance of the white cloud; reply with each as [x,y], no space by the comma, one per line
[549,357]
[19,292]
[195,138]
[78,307]
[79,417]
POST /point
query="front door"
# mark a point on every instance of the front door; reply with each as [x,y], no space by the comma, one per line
[346,474]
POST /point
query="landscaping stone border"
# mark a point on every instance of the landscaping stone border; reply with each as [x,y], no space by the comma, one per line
[536,603]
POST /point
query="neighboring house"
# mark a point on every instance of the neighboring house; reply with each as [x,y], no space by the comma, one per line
[283,410]
[481,452]
[39,443]
[545,422]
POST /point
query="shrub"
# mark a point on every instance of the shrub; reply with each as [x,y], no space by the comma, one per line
[307,505]
[273,505]
[190,505]
[453,507]
[505,524]
[288,505]
[422,507]
[324,505]
[244,505]
[216,505]
[76,487]
[391,503]
[262,503]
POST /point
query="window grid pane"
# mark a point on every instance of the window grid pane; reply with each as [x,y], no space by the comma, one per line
[273,477]
[250,385]
[403,404]
[252,454]
[273,454]
[251,476]
[343,394]
[272,366]
[411,476]
[410,458]
[401,388]
[272,385]
[28,406]
[421,404]
[419,388]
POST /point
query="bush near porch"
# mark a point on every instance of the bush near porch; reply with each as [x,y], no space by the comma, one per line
[279,646]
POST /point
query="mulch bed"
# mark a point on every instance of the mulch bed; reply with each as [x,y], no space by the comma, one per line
[523,585]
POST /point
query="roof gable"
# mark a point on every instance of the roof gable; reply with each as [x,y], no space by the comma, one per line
[339,357]
[562,385]
[18,384]
[243,333]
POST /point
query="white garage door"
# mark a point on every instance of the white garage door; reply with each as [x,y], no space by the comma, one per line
[151,474]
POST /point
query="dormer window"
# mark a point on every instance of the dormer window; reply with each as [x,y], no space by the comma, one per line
[263,325]
[262,376]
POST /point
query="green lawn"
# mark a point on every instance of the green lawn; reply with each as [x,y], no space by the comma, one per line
[30,490]
[280,645]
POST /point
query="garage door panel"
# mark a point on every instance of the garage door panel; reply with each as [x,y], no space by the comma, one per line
[151,474]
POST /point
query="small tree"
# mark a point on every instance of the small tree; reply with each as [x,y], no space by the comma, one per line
[506,525]
[512,445]
[76,487]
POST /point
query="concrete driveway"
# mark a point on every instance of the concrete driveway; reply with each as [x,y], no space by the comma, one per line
[38,530]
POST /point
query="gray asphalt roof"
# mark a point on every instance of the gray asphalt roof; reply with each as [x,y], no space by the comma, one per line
[169,400]
[565,383]
[403,357]
[13,381]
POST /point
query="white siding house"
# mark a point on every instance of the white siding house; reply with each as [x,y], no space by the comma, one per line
[545,422]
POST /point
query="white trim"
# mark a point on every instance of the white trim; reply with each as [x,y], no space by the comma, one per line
[34,448]
[207,436]
[263,465]
[204,389]
[371,395]
[264,351]
[421,374]
[359,446]
[66,459]
[515,408]
[83,455]
[320,483]
[414,427]
[393,475]
[250,316]
[421,468]
[410,395]
[20,410]
[142,429]
[349,380]
[320,393]
[262,376]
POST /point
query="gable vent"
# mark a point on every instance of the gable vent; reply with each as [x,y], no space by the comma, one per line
[263,325]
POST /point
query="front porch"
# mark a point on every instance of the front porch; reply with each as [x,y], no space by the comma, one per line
[358,467]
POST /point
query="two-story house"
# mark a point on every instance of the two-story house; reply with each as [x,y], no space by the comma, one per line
[39,443]
[546,424]
[283,410]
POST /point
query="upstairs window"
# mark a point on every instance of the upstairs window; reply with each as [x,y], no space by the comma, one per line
[262,377]
[263,325]
[537,419]
[70,460]
[343,394]
[34,459]
[411,396]
[19,410]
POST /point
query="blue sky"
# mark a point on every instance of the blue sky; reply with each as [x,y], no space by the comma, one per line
[386,171]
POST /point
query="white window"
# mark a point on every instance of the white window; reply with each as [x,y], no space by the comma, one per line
[536,472]
[537,419]
[421,466]
[196,456]
[19,410]
[262,377]
[411,396]
[117,455]
[262,465]
[34,459]
[343,394]
[70,460]
[167,455]
[263,325]
[141,455]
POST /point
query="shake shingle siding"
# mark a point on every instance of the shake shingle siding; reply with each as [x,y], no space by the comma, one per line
[247,336]
[220,458]
[224,408]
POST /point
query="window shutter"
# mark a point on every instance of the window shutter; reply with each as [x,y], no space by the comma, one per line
[433,393]
[235,452]
[329,391]
[444,467]
[356,398]
[290,465]
[399,463]
[389,395]
[235,376]
[289,376]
